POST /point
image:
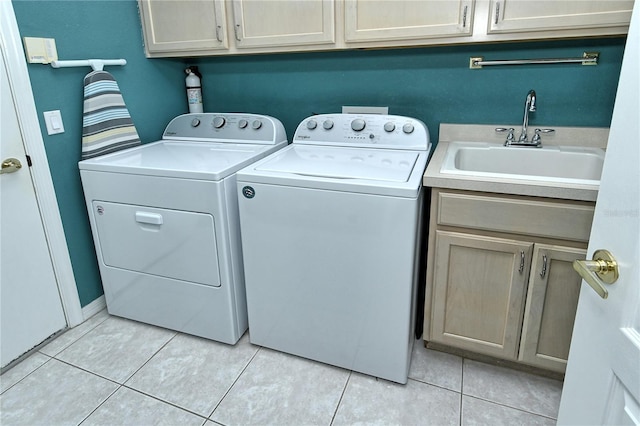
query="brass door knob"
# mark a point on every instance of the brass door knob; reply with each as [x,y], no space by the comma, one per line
[10,165]
[602,269]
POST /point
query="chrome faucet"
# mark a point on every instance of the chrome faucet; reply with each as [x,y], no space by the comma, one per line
[523,140]
[529,106]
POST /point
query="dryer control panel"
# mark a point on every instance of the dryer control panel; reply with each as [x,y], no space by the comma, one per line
[364,130]
[226,127]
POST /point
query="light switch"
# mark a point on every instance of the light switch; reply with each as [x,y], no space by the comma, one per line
[53,120]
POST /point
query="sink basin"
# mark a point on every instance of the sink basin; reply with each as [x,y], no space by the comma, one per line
[568,164]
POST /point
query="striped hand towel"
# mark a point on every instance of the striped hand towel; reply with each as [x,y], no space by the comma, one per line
[106,123]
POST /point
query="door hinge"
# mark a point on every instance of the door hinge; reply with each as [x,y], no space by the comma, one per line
[29,163]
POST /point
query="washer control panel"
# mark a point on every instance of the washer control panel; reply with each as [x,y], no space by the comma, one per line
[240,128]
[366,130]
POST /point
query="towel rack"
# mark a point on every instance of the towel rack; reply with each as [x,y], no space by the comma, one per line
[588,58]
[96,64]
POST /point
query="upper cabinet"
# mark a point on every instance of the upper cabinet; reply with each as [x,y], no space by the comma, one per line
[216,27]
[276,23]
[513,16]
[222,27]
[183,26]
[384,20]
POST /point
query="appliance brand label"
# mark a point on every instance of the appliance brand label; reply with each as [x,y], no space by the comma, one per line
[248,192]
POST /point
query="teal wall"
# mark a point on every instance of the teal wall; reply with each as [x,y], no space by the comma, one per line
[433,84]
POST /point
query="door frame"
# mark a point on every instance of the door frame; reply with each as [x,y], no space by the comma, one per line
[40,174]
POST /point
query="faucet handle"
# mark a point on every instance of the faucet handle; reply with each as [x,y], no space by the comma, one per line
[510,136]
[536,137]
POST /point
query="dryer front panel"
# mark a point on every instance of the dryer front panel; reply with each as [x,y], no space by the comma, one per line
[168,243]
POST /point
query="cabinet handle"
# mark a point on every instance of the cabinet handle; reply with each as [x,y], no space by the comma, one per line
[497,13]
[237,31]
[218,37]
[464,17]
[521,269]
[544,266]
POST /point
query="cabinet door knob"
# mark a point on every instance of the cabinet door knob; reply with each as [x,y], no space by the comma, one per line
[602,269]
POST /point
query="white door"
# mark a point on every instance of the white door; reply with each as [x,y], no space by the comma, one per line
[30,305]
[602,383]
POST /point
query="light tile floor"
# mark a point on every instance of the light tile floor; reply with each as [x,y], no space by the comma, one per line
[111,371]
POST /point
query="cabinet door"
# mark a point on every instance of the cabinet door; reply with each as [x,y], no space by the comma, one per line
[384,20]
[550,311]
[183,26]
[479,288]
[508,16]
[273,23]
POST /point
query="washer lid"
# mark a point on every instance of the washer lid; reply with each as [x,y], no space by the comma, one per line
[182,159]
[359,170]
[343,163]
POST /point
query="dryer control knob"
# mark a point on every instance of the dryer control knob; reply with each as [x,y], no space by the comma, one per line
[256,124]
[243,123]
[407,128]
[389,127]
[195,122]
[358,124]
[328,125]
[311,124]
[218,122]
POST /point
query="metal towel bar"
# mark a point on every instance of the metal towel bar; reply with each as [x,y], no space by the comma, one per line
[588,58]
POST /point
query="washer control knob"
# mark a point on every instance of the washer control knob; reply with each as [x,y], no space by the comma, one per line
[328,125]
[243,123]
[407,128]
[358,125]
[218,122]
[311,124]
[256,124]
[195,122]
[389,127]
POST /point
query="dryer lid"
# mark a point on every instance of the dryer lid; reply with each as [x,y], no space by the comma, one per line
[182,159]
[342,163]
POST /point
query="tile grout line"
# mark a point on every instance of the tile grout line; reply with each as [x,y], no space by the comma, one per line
[461,389]
[100,405]
[511,407]
[73,342]
[341,397]
[123,385]
[233,384]
[29,374]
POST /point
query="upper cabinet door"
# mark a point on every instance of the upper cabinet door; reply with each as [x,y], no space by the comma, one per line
[274,23]
[387,20]
[183,26]
[508,16]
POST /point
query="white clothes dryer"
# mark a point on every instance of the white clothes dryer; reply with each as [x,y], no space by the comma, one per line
[164,218]
[331,230]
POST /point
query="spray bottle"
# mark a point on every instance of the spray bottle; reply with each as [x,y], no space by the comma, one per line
[194,90]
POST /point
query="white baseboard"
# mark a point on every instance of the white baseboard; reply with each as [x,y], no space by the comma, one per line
[94,307]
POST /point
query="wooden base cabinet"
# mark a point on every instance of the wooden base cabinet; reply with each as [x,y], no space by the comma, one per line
[552,300]
[479,288]
[496,292]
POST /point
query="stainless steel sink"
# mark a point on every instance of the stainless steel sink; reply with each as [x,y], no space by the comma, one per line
[568,164]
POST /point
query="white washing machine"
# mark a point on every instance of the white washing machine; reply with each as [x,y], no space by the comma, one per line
[330,232]
[164,218]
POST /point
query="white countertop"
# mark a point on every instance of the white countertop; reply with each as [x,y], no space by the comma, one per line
[563,136]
